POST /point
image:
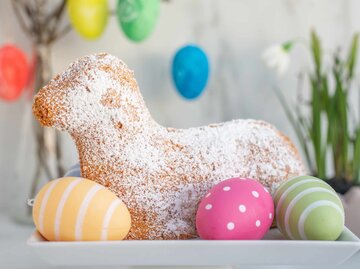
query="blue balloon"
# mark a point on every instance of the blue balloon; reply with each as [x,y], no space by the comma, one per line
[190,71]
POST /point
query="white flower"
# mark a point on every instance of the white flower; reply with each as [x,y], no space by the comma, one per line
[277,57]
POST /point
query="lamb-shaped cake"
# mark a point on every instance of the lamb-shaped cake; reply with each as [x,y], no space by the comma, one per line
[159,173]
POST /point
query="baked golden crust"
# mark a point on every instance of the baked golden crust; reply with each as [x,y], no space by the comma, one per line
[160,173]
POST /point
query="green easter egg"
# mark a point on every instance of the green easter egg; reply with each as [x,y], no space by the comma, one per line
[88,17]
[318,229]
[308,208]
[137,18]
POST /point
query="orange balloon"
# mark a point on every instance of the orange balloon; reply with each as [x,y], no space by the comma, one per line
[14,72]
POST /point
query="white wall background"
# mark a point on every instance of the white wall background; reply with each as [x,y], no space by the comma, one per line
[233,32]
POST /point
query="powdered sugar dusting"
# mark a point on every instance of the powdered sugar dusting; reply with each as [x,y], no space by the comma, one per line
[160,173]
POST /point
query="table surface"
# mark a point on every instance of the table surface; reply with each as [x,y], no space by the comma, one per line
[14,253]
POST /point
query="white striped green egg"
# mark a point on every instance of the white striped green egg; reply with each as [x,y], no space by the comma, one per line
[307,208]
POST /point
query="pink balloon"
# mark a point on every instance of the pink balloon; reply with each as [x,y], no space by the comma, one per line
[235,209]
[14,72]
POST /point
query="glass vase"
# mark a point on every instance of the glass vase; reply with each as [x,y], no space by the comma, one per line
[40,155]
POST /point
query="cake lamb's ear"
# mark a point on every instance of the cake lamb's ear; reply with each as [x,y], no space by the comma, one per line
[49,106]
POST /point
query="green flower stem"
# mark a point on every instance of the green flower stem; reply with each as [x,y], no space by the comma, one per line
[326,128]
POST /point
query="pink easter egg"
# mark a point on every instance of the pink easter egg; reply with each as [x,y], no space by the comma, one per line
[235,209]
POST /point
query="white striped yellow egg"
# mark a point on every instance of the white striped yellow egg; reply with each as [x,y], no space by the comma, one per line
[78,209]
[308,208]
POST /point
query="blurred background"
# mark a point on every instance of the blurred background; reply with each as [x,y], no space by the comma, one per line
[233,34]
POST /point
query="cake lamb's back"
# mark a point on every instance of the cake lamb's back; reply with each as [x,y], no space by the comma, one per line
[160,173]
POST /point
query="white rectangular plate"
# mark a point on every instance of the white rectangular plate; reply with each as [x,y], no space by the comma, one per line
[273,250]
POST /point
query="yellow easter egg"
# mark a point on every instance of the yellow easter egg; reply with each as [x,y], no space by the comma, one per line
[78,209]
[88,17]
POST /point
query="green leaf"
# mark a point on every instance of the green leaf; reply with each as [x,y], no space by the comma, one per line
[288,45]
[316,52]
[344,132]
[296,124]
[352,56]
[305,130]
[356,157]
[341,143]
[325,99]
[316,128]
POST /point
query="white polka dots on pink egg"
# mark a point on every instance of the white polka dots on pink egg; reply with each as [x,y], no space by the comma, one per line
[242,208]
[237,208]
[230,226]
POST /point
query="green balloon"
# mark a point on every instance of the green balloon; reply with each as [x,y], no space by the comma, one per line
[137,18]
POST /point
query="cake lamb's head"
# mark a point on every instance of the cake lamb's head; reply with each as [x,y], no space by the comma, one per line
[94,90]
